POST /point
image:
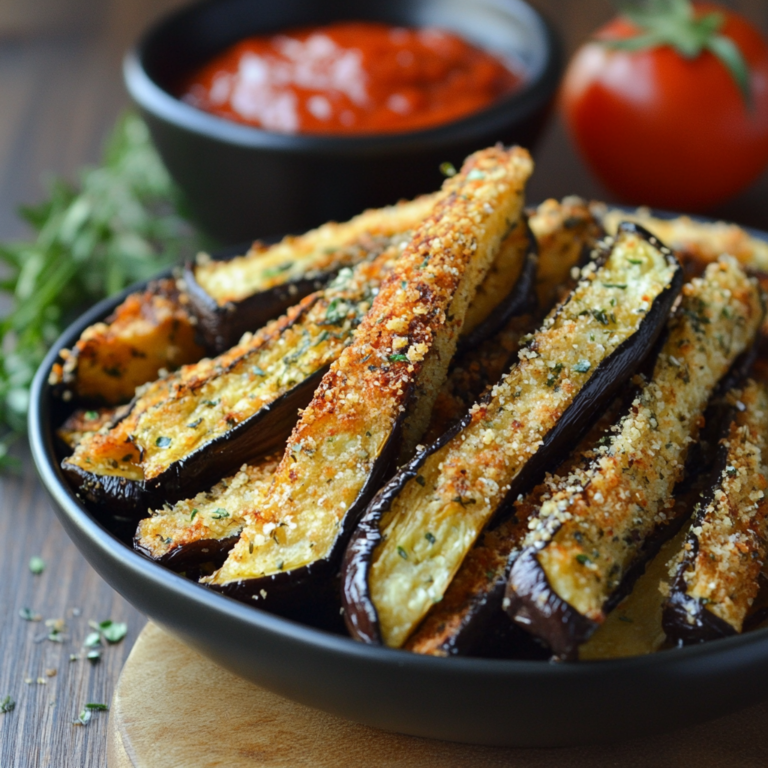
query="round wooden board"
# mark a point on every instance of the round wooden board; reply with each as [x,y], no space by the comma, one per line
[175,709]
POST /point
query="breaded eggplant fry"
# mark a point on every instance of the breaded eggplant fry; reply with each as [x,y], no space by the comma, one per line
[418,530]
[231,297]
[702,241]
[87,422]
[717,579]
[374,403]
[563,231]
[150,331]
[592,538]
[206,527]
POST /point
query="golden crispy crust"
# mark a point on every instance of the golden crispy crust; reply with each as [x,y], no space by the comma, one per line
[189,410]
[322,250]
[391,373]
[462,484]
[150,331]
[86,422]
[729,534]
[702,241]
[563,229]
[589,533]
[213,515]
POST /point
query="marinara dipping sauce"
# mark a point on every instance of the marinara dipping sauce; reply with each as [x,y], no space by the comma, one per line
[350,77]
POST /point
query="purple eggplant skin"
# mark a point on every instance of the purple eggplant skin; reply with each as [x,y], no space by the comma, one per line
[194,555]
[521,299]
[125,496]
[257,436]
[221,327]
[684,619]
[600,390]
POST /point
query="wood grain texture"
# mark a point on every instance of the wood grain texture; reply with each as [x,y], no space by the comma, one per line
[160,695]
[60,91]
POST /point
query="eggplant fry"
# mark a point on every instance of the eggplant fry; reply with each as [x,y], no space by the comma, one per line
[462,621]
[634,628]
[593,536]
[701,241]
[86,422]
[418,530]
[188,431]
[374,403]
[716,580]
[508,289]
[563,232]
[206,527]
[150,331]
[234,296]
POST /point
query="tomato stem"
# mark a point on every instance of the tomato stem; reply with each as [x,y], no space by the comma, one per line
[675,23]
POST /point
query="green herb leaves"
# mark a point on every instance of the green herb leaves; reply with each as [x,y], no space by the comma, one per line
[116,226]
[111,631]
[85,715]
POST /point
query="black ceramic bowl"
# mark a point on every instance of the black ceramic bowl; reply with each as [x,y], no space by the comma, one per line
[241,182]
[515,703]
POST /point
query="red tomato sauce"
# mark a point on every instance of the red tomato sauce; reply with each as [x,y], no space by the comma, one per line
[350,77]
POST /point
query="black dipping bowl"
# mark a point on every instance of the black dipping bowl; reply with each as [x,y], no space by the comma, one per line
[241,182]
[479,701]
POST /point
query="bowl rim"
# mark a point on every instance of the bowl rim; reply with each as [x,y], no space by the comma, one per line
[522,102]
[74,514]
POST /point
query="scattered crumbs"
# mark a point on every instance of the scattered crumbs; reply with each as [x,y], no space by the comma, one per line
[111,631]
[447,169]
[83,718]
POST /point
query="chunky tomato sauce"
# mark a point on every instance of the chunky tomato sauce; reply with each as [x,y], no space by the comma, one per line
[350,77]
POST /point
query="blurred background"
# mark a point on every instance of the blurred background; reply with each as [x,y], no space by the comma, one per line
[61,90]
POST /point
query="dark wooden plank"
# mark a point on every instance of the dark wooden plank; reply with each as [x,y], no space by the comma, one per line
[40,732]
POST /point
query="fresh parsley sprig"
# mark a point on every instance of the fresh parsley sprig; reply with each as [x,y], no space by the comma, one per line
[120,223]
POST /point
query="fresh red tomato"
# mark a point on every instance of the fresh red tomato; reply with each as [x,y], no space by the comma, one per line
[666,129]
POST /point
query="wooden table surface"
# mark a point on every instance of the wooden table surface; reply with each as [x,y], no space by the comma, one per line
[60,91]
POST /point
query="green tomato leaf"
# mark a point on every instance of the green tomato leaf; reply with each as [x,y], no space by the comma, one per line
[731,57]
[675,23]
